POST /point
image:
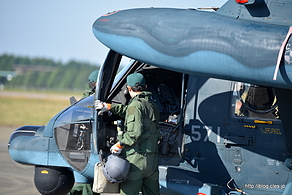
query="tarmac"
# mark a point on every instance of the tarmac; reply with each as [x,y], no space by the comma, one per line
[15,179]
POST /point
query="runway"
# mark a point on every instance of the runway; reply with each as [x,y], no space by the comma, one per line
[15,179]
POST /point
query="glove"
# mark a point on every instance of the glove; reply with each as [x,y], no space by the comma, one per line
[117,148]
[102,106]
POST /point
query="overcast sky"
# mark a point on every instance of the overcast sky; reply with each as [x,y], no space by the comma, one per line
[62,29]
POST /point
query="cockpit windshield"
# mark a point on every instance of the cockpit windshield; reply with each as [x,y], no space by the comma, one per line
[73,132]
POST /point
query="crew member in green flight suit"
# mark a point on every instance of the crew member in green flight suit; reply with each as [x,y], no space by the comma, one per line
[138,143]
[91,84]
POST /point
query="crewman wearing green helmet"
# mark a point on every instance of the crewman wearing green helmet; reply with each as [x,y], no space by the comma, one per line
[91,84]
[138,142]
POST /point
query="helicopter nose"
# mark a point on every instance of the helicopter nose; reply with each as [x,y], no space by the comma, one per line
[23,131]
[26,148]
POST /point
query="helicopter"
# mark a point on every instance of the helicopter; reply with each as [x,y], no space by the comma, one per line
[222,83]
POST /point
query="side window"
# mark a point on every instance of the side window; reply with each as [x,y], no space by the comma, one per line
[254,102]
[73,133]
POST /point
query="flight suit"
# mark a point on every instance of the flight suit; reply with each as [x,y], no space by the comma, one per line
[140,139]
[88,93]
[82,189]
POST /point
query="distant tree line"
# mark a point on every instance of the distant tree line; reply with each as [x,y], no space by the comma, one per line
[46,74]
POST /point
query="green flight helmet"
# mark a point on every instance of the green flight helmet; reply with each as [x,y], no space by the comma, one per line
[93,76]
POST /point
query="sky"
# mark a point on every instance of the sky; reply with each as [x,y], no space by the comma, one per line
[61,30]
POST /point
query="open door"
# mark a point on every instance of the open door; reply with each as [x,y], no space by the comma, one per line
[104,83]
[167,89]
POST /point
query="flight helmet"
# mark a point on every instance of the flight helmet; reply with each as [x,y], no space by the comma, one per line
[116,169]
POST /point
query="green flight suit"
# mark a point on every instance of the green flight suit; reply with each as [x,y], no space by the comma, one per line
[88,93]
[140,138]
[82,189]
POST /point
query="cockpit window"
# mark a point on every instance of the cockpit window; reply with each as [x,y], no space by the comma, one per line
[253,101]
[73,133]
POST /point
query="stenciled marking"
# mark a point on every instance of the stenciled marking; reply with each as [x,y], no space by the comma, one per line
[288,54]
[289,33]
[104,20]
[272,162]
[197,136]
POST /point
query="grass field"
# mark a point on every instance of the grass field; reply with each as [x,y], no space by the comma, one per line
[24,108]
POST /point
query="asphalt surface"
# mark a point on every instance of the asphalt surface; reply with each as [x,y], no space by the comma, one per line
[15,179]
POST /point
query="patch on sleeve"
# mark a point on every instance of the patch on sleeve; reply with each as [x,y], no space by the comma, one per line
[131,110]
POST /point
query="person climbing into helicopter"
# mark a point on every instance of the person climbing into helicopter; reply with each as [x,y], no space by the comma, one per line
[138,142]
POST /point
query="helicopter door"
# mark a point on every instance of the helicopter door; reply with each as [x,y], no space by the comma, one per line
[107,74]
[104,83]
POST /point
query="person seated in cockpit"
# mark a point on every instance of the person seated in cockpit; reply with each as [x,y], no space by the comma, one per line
[258,102]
